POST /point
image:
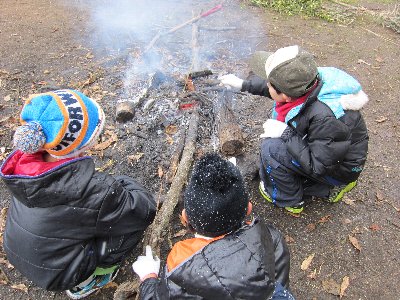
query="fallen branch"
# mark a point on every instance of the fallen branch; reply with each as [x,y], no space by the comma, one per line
[195,19]
[175,159]
[153,235]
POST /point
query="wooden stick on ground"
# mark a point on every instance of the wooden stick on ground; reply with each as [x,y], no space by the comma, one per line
[153,236]
[195,47]
[195,19]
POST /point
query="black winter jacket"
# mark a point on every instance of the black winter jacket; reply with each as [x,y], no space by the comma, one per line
[55,219]
[242,265]
[319,141]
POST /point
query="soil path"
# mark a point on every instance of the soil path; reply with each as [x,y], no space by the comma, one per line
[45,45]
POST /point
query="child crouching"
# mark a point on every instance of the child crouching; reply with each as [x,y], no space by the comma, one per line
[68,226]
[228,258]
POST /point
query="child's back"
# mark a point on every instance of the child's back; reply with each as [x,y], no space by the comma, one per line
[65,218]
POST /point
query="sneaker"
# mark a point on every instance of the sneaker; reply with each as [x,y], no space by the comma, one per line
[293,209]
[264,193]
[90,285]
[336,193]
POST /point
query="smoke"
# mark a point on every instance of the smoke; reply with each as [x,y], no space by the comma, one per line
[128,26]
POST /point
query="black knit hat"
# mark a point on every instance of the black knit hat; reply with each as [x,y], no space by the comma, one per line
[215,198]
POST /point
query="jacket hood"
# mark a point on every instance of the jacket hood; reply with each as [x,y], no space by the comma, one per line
[340,91]
[62,184]
[250,270]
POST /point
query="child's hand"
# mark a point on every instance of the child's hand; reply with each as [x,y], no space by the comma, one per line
[273,129]
[146,265]
[231,80]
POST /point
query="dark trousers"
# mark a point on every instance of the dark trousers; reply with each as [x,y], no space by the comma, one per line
[284,179]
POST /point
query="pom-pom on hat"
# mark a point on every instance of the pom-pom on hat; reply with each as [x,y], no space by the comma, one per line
[65,123]
[292,70]
[215,198]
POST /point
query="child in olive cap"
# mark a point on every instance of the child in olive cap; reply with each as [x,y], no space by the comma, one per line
[316,141]
[228,258]
[68,226]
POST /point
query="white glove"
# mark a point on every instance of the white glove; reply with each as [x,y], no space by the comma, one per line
[231,80]
[273,129]
[145,265]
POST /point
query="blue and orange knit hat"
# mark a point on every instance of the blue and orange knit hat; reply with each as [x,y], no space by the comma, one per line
[65,123]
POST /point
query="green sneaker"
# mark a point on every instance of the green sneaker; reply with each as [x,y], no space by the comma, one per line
[293,209]
[336,193]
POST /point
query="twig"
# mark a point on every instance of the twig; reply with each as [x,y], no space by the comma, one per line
[382,37]
[195,19]
[195,48]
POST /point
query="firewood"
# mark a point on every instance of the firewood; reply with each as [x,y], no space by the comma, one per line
[154,233]
[230,135]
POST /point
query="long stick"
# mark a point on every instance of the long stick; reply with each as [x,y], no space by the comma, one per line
[158,228]
[195,19]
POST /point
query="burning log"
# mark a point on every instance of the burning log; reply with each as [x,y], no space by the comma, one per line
[230,135]
[125,110]
[153,235]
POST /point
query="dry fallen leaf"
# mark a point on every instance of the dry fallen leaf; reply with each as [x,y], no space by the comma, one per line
[313,274]
[170,140]
[307,262]
[171,129]
[347,221]
[355,242]
[311,227]
[324,219]
[375,227]
[21,287]
[379,195]
[104,145]
[331,287]
[344,285]
[289,239]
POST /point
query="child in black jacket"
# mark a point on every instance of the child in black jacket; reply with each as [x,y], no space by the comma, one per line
[228,258]
[316,141]
[68,226]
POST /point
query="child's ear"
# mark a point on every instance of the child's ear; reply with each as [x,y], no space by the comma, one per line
[287,98]
[249,208]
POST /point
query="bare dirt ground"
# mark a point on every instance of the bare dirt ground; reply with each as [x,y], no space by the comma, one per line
[49,44]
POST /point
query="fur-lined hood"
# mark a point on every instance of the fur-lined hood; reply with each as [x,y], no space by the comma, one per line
[340,91]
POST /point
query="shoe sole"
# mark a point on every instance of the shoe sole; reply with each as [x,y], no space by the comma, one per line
[346,189]
[294,210]
[72,296]
[263,194]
